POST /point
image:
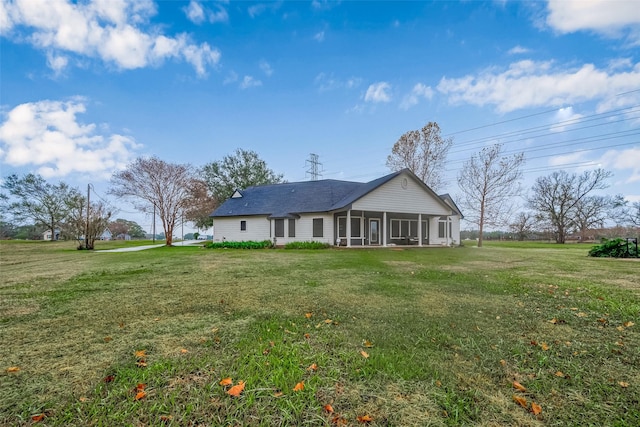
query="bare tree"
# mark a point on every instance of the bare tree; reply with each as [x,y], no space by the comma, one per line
[591,211]
[86,224]
[556,197]
[242,169]
[153,183]
[44,203]
[523,225]
[423,152]
[489,183]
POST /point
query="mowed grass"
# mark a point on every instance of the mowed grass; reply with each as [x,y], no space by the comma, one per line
[446,330]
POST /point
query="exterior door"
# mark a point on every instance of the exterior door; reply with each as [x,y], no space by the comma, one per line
[374,231]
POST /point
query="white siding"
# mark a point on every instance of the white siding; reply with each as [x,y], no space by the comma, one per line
[229,229]
[392,197]
[304,228]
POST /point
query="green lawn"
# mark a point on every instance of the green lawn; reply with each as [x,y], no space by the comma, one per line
[447,331]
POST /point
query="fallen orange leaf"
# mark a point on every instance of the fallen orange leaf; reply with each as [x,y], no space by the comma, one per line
[328,408]
[364,354]
[535,408]
[367,344]
[13,369]
[299,386]
[519,386]
[339,421]
[140,395]
[237,389]
[520,401]
[37,418]
[226,381]
[307,336]
[365,418]
[327,321]
[503,362]
[438,383]
[312,367]
[623,384]
[544,346]
[278,394]
[184,351]
[308,315]
[140,353]
[165,418]
[560,374]
[141,387]
[628,324]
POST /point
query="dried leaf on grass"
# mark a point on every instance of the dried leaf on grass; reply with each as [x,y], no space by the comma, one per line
[520,401]
[226,381]
[299,386]
[364,354]
[236,390]
[37,418]
[535,408]
[328,408]
[13,369]
[365,419]
[519,386]
[140,395]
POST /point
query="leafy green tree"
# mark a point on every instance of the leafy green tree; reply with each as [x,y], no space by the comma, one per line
[123,226]
[242,169]
[45,204]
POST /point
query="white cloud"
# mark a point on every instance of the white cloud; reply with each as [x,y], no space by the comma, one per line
[47,136]
[326,82]
[319,36]
[57,63]
[378,92]
[266,68]
[413,98]
[603,16]
[628,159]
[195,12]
[232,77]
[114,31]
[248,82]
[528,84]
[518,50]
[564,117]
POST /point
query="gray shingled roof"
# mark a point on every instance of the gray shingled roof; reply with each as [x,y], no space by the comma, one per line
[290,199]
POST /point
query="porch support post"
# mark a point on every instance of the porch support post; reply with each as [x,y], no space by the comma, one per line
[348,228]
[384,228]
[419,229]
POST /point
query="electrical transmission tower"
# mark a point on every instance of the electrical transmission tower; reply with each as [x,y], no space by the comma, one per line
[314,167]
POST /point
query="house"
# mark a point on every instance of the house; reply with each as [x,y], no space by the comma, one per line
[47,235]
[397,209]
[106,235]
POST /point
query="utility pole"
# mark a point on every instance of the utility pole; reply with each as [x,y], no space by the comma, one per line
[86,229]
[313,164]
[154,223]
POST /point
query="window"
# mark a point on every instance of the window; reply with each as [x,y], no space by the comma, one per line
[442,226]
[243,225]
[355,227]
[292,227]
[403,228]
[342,227]
[318,225]
[279,227]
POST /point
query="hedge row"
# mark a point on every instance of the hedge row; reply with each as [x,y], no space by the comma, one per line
[615,248]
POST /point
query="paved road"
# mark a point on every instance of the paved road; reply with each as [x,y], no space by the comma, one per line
[142,248]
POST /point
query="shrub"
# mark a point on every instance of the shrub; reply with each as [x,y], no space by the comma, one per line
[265,244]
[306,245]
[615,248]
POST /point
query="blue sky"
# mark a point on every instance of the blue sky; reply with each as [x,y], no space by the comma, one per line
[87,86]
